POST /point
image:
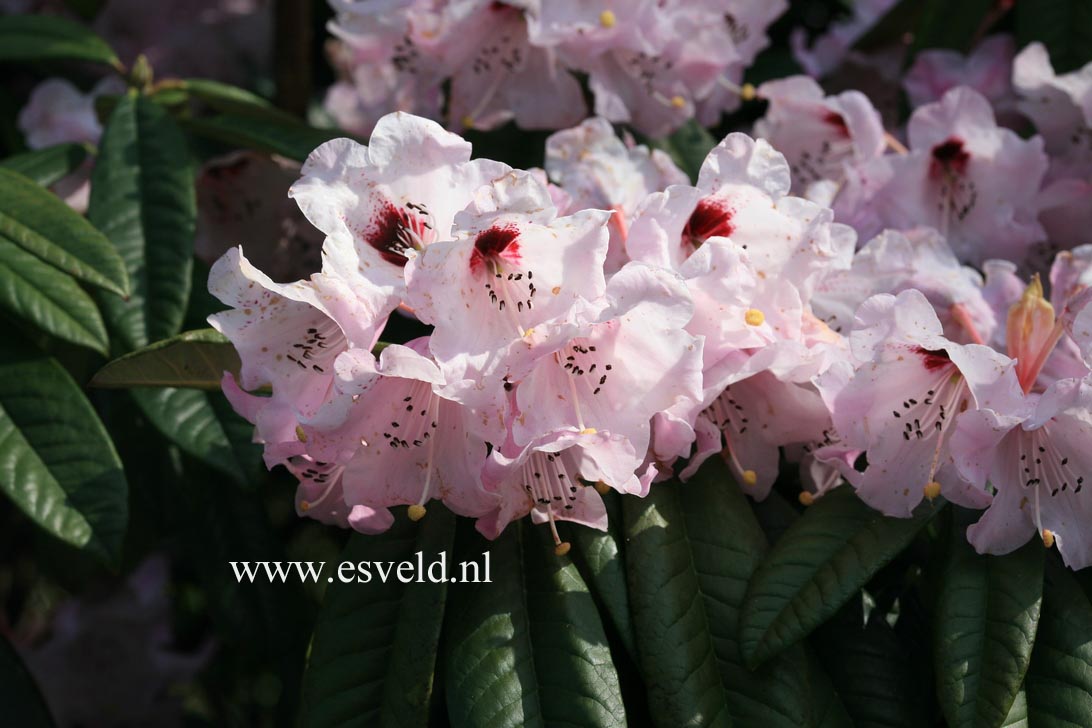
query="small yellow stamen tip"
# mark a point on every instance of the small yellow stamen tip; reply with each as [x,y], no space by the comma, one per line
[300,434]
[1048,537]
[589,431]
[468,121]
[562,548]
[806,498]
[747,92]
[678,102]
[305,506]
[607,19]
[932,489]
[602,487]
[415,512]
[754,317]
[749,477]
[529,333]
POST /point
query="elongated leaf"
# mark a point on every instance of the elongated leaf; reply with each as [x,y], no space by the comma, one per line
[48,37]
[374,650]
[35,219]
[1059,681]
[47,298]
[528,649]
[1018,714]
[190,419]
[691,550]
[1063,26]
[193,359]
[56,460]
[22,701]
[46,166]
[816,566]
[292,139]
[142,198]
[986,617]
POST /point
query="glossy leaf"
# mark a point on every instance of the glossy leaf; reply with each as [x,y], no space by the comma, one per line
[691,549]
[142,199]
[46,298]
[57,462]
[821,561]
[529,648]
[37,220]
[289,138]
[1059,681]
[46,166]
[193,359]
[22,701]
[984,628]
[48,37]
[373,654]
[1018,714]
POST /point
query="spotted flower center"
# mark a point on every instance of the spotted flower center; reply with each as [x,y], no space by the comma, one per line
[711,218]
[398,230]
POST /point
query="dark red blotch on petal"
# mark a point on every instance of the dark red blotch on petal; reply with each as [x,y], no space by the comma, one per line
[387,234]
[711,218]
[836,120]
[495,243]
[933,358]
[950,156]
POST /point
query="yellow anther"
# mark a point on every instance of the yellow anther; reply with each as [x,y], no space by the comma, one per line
[678,102]
[468,121]
[607,19]
[750,477]
[529,333]
[747,92]
[300,434]
[415,512]
[562,548]
[589,431]
[602,487]
[305,506]
[754,317]
[1048,537]
[931,489]
[806,498]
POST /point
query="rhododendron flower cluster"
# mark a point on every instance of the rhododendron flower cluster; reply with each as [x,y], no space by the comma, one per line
[871,312]
[652,64]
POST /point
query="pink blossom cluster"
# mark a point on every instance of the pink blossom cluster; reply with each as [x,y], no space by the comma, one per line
[914,321]
[651,63]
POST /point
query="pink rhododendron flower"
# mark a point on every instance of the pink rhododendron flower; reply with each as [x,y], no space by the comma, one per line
[987,69]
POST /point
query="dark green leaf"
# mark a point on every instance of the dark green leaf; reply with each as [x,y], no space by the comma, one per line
[1059,681]
[944,25]
[48,299]
[292,139]
[528,649]
[1018,714]
[817,565]
[22,701]
[142,198]
[1063,26]
[691,549]
[688,146]
[46,166]
[193,359]
[986,616]
[48,37]
[35,219]
[56,460]
[374,650]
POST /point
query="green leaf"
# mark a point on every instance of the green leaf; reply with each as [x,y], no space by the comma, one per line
[1059,680]
[986,616]
[35,219]
[691,549]
[48,299]
[19,694]
[191,420]
[688,146]
[289,138]
[46,166]
[1063,26]
[48,37]
[1018,714]
[373,654]
[528,649]
[142,199]
[56,459]
[944,25]
[817,565]
[193,359]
